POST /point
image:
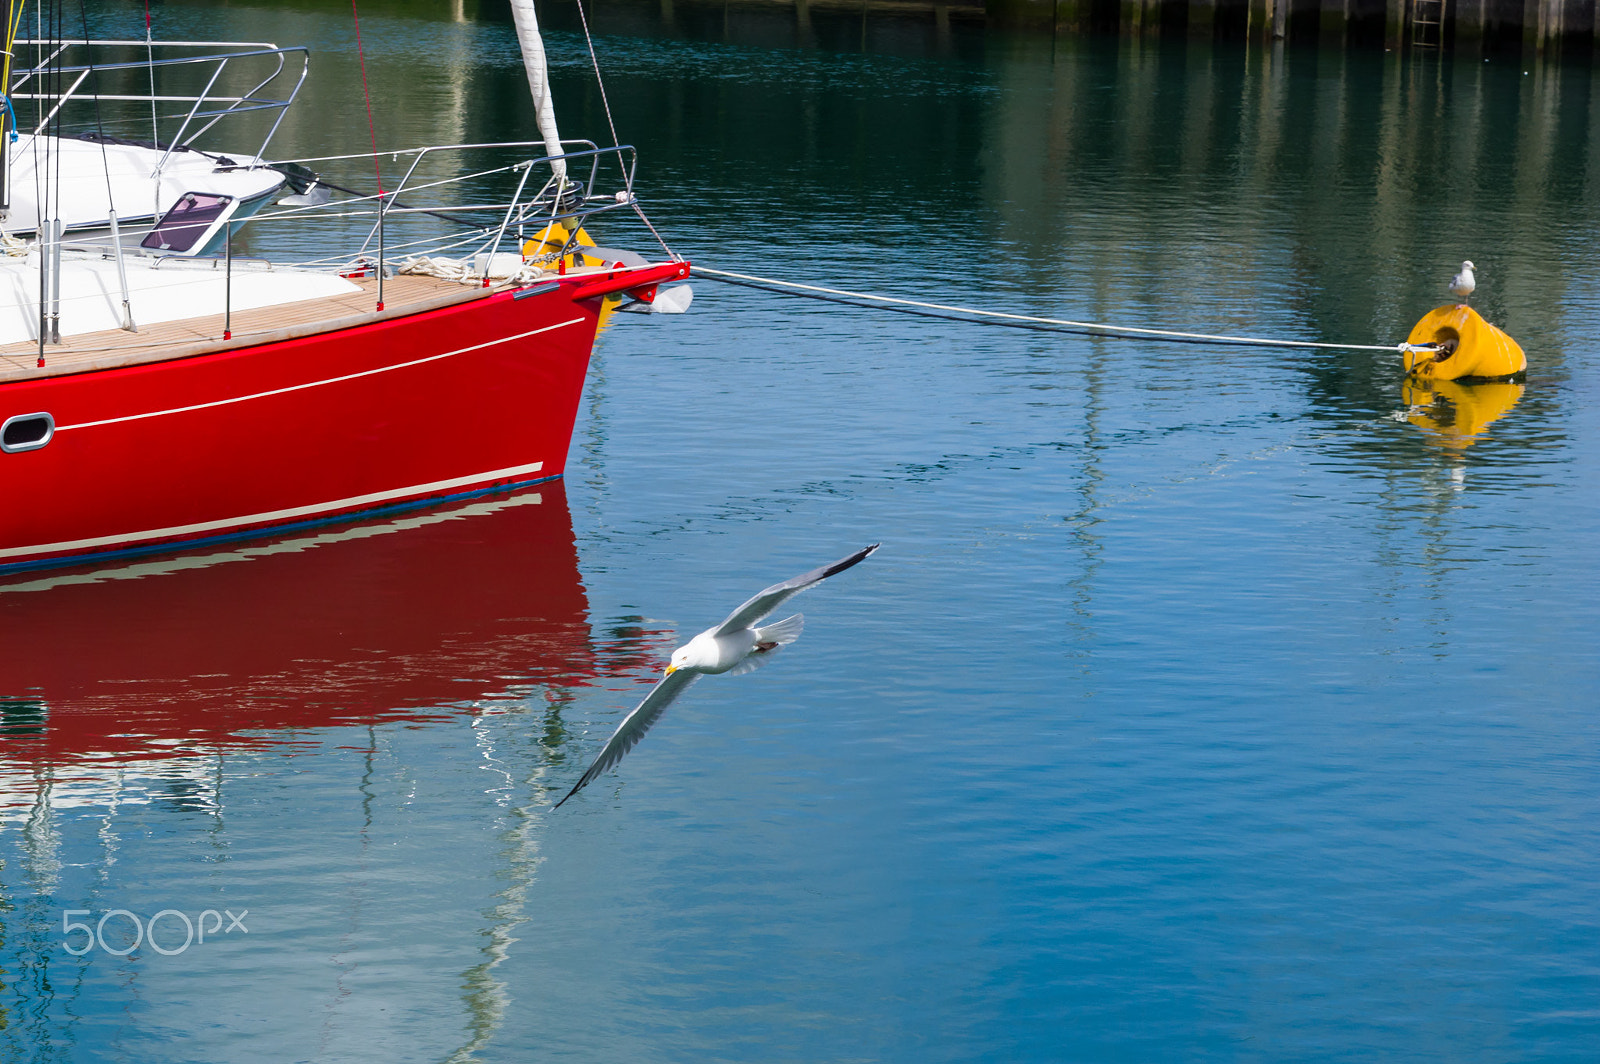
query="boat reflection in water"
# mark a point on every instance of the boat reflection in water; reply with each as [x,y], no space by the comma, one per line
[1455,414]
[134,696]
[415,616]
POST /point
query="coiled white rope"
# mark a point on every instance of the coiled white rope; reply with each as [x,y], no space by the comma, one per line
[1028,321]
[463,271]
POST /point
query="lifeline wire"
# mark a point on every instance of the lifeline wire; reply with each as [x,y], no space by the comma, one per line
[1025,321]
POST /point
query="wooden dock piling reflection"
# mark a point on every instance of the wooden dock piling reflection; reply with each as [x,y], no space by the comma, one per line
[1538,27]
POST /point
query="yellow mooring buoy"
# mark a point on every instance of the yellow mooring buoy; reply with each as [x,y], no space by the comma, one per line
[1465,346]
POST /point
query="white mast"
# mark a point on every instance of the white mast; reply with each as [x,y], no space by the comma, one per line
[538,81]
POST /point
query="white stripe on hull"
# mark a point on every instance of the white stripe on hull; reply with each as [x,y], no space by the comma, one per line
[354,502]
[314,384]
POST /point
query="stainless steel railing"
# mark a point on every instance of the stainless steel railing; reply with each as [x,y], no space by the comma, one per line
[246,77]
[440,206]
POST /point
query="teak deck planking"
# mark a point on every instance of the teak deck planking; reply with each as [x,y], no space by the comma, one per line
[162,341]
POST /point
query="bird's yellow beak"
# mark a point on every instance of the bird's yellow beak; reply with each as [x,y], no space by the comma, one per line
[671,669]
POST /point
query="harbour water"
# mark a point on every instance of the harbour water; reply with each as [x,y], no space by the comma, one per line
[1203,703]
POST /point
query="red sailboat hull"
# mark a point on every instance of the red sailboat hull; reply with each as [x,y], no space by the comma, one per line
[447,402]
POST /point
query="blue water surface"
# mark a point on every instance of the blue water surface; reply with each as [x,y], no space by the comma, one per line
[1203,702]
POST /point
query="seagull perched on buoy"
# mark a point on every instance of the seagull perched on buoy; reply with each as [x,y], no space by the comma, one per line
[1463,283]
[735,646]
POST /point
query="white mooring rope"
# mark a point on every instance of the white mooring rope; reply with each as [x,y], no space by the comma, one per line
[1029,321]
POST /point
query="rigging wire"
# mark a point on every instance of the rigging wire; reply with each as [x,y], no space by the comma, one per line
[39,173]
[13,23]
[47,178]
[105,167]
[150,64]
[372,130]
[283,168]
[947,312]
[99,122]
[366,94]
[616,141]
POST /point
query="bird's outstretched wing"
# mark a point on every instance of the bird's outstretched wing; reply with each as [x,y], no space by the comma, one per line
[635,724]
[776,595]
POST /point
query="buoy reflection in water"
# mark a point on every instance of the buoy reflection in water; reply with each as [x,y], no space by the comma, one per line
[1455,414]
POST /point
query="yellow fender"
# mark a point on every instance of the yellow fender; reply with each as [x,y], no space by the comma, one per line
[550,240]
[1469,347]
[1468,409]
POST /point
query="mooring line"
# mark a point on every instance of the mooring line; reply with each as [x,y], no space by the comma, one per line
[948,312]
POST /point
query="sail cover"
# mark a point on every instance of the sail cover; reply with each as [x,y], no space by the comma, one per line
[538,80]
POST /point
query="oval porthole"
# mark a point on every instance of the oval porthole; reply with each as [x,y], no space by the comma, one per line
[26,432]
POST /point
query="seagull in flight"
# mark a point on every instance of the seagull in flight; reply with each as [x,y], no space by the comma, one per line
[735,646]
[1463,283]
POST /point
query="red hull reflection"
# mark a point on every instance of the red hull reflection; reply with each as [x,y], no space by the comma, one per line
[404,617]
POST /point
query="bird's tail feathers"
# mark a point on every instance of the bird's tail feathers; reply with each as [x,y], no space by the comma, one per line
[769,640]
[781,632]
